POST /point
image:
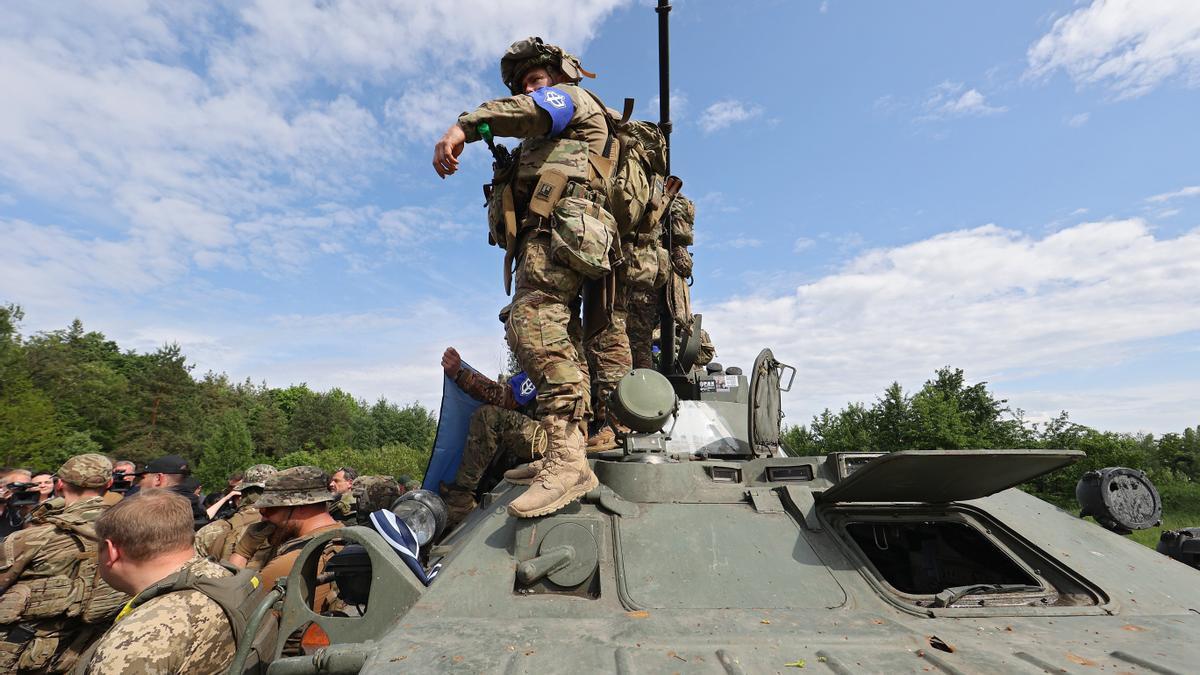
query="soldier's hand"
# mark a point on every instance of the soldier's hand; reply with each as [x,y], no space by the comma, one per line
[447,150]
[451,362]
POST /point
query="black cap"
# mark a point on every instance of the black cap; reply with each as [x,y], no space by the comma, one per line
[168,464]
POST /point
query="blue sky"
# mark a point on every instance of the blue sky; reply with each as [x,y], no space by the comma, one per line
[882,188]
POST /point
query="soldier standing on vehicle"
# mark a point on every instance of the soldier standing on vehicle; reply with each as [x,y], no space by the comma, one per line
[217,539]
[51,604]
[171,625]
[553,202]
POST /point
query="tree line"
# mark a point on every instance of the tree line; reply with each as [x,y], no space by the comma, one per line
[948,413]
[71,391]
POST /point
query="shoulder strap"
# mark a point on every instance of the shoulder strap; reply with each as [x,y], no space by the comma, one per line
[612,127]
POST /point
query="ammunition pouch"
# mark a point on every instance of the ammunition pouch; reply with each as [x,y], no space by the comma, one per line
[644,258]
[25,647]
[581,236]
[683,221]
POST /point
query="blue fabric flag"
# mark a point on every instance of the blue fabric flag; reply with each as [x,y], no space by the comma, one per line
[559,105]
[453,419]
[400,537]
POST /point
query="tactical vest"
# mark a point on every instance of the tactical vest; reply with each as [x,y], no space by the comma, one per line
[57,597]
[221,545]
[238,596]
[558,186]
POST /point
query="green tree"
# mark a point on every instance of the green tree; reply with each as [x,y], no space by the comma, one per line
[227,450]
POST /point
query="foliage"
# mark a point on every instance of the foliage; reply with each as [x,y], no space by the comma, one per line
[70,391]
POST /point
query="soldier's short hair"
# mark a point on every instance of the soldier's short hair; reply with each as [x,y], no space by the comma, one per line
[150,522]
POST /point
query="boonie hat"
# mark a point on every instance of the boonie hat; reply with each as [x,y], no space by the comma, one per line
[297,486]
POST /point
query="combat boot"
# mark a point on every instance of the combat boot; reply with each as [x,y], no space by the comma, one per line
[524,474]
[564,475]
[460,502]
[605,439]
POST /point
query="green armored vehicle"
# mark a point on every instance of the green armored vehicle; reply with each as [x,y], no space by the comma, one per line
[705,549]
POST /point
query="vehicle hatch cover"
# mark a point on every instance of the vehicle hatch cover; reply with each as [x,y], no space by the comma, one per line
[938,476]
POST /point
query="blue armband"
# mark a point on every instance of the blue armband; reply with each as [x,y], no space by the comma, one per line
[559,105]
[523,388]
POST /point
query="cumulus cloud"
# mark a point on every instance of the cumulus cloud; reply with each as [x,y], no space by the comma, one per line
[1076,121]
[221,134]
[726,113]
[989,300]
[1127,46]
[953,99]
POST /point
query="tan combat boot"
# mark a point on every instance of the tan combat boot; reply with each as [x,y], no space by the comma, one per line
[605,439]
[524,474]
[564,475]
[460,502]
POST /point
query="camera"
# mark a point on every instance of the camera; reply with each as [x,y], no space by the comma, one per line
[22,494]
[122,481]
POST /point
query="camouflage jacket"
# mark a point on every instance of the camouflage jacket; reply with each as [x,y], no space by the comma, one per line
[49,585]
[54,551]
[180,632]
[218,539]
[520,117]
[486,390]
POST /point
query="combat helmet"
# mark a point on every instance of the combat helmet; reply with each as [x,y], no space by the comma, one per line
[297,486]
[256,476]
[372,493]
[533,52]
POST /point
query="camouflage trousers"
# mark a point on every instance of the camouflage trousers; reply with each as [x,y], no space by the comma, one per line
[641,318]
[608,354]
[499,435]
[543,329]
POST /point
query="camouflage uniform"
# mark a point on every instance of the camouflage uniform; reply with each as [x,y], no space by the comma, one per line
[547,290]
[706,353]
[641,320]
[52,602]
[218,539]
[300,486]
[500,431]
[180,632]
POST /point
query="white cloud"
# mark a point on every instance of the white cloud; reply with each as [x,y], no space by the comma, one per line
[989,300]
[209,135]
[802,244]
[1076,121]
[679,106]
[824,6]
[1128,46]
[725,113]
[953,99]
[1190,191]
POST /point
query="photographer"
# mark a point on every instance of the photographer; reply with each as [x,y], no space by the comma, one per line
[16,490]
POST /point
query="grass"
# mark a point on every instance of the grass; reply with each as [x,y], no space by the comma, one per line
[1171,521]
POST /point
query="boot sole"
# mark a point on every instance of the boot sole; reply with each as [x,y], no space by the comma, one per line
[568,497]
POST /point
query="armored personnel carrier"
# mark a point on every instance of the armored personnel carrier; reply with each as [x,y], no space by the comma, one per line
[706,549]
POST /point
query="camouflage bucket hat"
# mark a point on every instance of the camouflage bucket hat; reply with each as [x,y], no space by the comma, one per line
[533,52]
[86,471]
[297,486]
[372,493]
[256,476]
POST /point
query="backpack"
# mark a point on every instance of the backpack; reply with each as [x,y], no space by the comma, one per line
[636,198]
[238,596]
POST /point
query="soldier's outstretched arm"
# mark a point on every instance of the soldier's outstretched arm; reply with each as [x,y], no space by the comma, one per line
[515,116]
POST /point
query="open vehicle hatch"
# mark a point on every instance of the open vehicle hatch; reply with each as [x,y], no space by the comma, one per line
[939,476]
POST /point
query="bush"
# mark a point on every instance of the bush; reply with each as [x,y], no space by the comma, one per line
[395,459]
